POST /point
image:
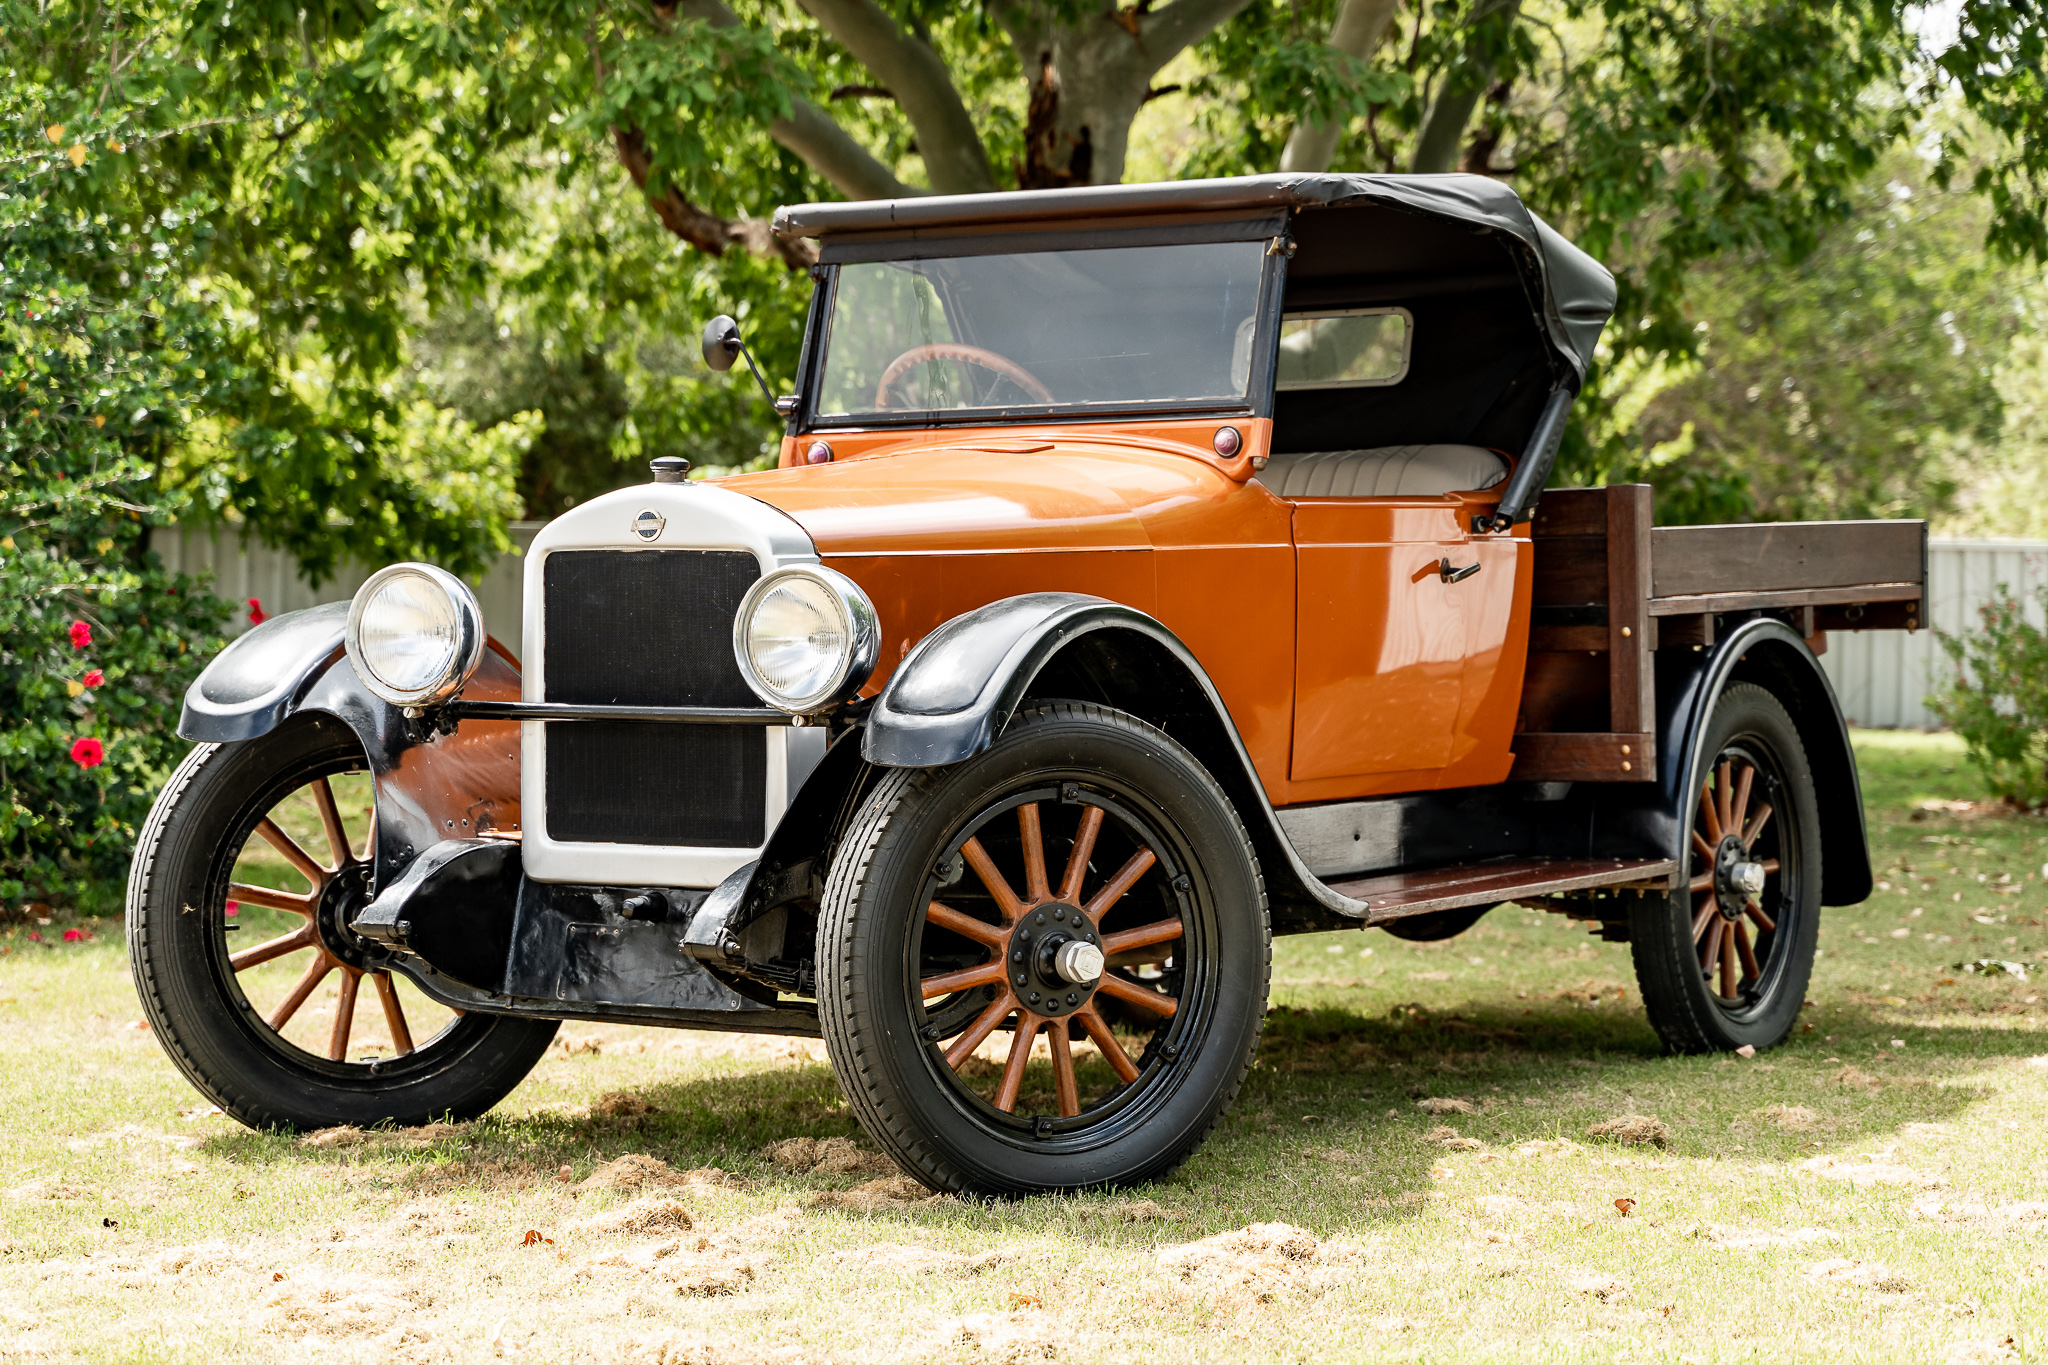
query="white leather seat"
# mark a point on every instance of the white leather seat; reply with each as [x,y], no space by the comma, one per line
[1383,472]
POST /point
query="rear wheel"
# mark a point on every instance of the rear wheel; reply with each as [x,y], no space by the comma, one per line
[303,1025]
[1045,968]
[1724,960]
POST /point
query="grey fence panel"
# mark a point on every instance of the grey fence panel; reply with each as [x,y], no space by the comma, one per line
[1882,678]
[244,570]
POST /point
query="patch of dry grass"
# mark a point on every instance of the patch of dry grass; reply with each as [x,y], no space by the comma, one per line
[1409,1174]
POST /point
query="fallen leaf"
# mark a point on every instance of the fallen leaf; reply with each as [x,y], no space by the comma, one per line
[1026,1301]
[534,1239]
[1625,1204]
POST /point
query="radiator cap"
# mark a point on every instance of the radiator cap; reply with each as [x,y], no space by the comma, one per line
[670,469]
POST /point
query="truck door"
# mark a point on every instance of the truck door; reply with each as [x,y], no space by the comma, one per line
[1395,664]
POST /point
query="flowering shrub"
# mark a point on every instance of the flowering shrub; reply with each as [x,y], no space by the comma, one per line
[97,642]
[1997,698]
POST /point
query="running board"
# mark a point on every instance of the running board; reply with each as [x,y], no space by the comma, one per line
[1397,895]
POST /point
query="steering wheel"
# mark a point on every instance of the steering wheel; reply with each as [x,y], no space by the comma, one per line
[973,355]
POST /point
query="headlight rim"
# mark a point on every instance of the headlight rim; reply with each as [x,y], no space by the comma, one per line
[857,615]
[462,661]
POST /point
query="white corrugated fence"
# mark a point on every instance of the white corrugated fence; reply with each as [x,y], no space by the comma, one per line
[1882,677]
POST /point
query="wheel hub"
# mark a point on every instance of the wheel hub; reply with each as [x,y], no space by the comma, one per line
[343,897]
[1054,959]
[1737,877]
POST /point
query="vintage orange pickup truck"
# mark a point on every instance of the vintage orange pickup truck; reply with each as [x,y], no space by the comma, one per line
[1148,570]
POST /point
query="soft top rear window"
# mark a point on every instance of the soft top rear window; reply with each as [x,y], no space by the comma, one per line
[1170,325]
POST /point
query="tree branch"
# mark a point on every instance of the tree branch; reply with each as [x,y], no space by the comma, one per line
[832,152]
[700,227]
[1360,27]
[954,157]
[1443,131]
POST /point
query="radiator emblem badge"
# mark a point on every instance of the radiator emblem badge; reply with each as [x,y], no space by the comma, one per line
[649,524]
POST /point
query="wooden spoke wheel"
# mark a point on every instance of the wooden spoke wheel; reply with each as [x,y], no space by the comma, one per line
[1724,960]
[307,1026]
[1045,968]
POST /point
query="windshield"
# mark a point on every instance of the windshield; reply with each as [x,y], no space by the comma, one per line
[1116,327]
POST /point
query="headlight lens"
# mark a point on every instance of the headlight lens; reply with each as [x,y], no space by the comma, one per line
[805,637]
[415,634]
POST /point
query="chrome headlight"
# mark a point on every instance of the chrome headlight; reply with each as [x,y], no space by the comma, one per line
[415,634]
[805,637]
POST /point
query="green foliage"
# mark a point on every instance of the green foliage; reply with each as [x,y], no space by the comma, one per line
[97,642]
[1997,698]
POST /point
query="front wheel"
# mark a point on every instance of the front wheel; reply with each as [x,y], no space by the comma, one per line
[248,870]
[1045,968]
[1723,960]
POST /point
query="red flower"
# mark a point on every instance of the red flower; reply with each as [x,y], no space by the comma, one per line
[81,635]
[234,908]
[88,752]
[73,936]
[94,678]
[257,615]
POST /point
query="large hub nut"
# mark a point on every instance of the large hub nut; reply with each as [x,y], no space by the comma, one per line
[1055,959]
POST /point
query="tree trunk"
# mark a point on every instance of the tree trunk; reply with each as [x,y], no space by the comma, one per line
[1360,26]
[1443,131]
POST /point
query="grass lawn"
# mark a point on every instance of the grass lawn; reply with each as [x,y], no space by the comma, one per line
[1875,1189]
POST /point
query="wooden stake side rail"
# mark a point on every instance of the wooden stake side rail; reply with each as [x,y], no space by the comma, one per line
[1399,894]
[1610,589]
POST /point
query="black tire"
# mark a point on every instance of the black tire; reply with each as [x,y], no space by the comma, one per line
[1699,1000]
[1121,1120]
[179,954]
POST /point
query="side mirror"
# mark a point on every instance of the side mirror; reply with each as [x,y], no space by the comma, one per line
[722,343]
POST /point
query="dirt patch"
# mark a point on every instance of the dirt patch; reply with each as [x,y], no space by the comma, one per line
[1857,1077]
[900,1259]
[1547,1147]
[637,1171]
[312,1302]
[1448,1138]
[330,1139]
[1513,1206]
[1440,1105]
[206,1258]
[827,1156]
[47,1189]
[1639,1130]
[1876,1171]
[890,1192]
[1974,1209]
[1870,1274]
[1760,1239]
[1793,1118]
[1596,1284]
[1026,1334]
[698,1267]
[642,1217]
[1256,1264]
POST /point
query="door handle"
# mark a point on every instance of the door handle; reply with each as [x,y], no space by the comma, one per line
[1450,574]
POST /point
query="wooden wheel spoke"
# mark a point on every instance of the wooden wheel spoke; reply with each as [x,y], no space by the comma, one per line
[1710,817]
[301,937]
[1020,1057]
[288,849]
[1105,1042]
[316,972]
[330,821]
[1033,838]
[344,1016]
[1144,936]
[1057,1039]
[1763,921]
[1126,877]
[1702,847]
[984,1024]
[1132,994]
[1722,794]
[273,899]
[1713,954]
[967,926]
[1770,866]
[1084,849]
[987,974]
[1756,826]
[1706,913]
[1739,811]
[1743,950]
[1703,882]
[985,868]
[394,1013]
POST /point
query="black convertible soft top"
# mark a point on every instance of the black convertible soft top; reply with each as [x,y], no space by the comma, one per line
[1573,294]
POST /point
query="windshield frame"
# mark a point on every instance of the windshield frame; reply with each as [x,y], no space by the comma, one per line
[1257,401]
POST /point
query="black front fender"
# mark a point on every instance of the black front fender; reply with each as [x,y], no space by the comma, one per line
[263,676]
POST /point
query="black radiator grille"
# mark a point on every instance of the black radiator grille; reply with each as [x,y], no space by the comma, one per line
[645,627]
[625,782]
[650,628]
